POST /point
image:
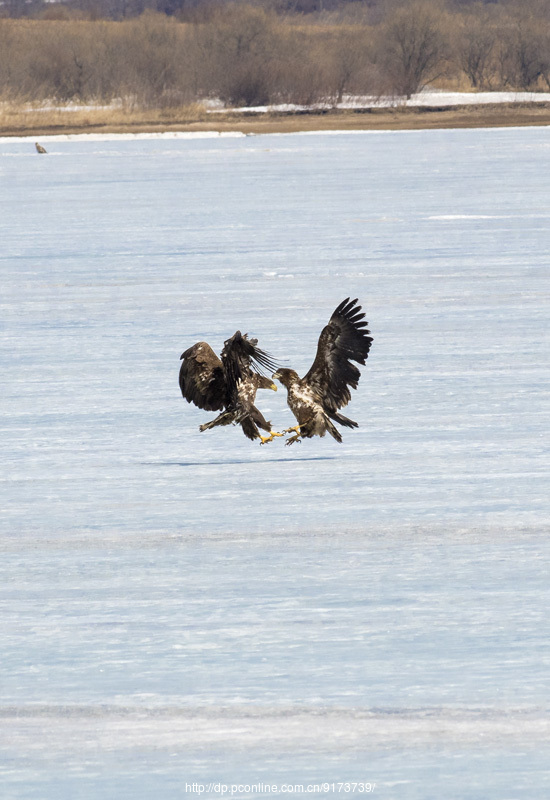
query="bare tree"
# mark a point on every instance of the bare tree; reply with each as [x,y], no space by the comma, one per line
[476,49]
[413,48]
[349,58]
[238,47]
[545,54]
[7,53]
[299,68]
[60,63]
[525,52]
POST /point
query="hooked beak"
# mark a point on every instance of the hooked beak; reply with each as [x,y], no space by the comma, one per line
[273,387]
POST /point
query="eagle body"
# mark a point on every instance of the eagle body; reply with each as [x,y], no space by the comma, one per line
[307,407]
[241,409]
[227,384]
[316,398]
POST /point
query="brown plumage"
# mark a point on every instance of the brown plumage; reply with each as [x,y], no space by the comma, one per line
[39,148]
[228,384]
[315,399]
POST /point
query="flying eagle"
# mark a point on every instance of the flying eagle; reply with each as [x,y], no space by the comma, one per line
[228,384]
[315,399]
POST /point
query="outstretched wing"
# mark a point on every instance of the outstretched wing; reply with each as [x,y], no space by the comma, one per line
[202,378]
[343,340]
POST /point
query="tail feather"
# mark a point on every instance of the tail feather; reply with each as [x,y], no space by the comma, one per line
[341,420]
[334,432]
[252,421]
[225,418]
[259,419]
[249,428]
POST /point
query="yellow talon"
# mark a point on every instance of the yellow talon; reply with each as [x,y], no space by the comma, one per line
[266,439]
[293,439]
[295,429]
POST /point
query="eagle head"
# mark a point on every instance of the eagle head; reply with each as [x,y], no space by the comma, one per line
[286,376]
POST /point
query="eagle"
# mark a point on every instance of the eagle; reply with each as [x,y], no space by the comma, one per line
[229,384]
[39,148]
[315,399]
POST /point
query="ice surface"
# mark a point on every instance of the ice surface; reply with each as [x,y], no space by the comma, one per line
[182,606]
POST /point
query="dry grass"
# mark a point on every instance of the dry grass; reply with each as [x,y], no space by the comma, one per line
[30,119]
[497,115]
[23,121]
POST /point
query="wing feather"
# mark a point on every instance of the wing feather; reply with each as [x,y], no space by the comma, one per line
[343,340]
[239,348]
[202,379]
[238,355]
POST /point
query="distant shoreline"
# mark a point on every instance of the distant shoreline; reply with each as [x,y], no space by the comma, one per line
[372,119]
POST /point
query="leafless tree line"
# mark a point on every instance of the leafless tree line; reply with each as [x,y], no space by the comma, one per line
[252,55]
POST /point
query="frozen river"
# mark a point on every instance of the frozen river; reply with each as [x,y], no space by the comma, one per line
[191,608]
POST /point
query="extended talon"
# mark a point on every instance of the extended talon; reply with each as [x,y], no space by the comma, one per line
[295,429]
[293,439]
[267,439]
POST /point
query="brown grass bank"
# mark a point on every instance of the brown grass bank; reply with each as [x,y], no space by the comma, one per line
[20,122]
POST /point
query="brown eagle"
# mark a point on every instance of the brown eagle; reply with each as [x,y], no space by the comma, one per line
[228,384]
[315,399]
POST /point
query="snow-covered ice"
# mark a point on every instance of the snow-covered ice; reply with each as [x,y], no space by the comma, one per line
[191,607]
[427,98]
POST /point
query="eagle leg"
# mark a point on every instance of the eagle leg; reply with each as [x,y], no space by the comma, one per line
[267,439]
[225,418]
[297,429]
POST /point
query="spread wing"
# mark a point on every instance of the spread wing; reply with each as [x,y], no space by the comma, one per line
[343,340]
[202,378]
